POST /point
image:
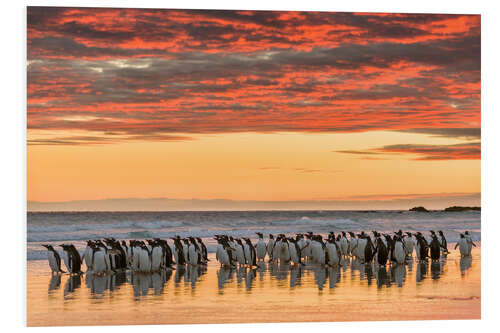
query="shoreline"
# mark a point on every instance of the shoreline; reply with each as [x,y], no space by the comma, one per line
[451,290]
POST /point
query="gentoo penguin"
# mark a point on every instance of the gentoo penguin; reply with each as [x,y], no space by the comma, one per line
[179,256]
[463,246]
[260,248]
[443,242]
[145,259]
[156,256]
[421,247]
[369,250]
[194,252]
[353,242]
[294,251]
[435,248]
[240,253]
[185,249]
[253,256]
[334,252]
[284,251]
[469,242]
[275,251]
[54,259]
[203,249]
[381,252]
[399,251]
[344,245]
[73,259]
[100,262]
[409,244]
[87,255]
[269,247]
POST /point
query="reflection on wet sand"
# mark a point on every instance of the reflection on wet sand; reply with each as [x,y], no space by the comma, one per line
[190,276]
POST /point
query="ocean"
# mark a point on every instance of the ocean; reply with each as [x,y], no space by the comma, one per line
[76,227]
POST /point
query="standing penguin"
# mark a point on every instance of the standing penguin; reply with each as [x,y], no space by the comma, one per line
[463,246]
[443,242]
[203,248]
[382,253]
[87,255]
[409,244]
[344,245]
[240,252]
[253,256]
[468,238]
[399,252]
[435,248]
[54,259]
[369,250]
[334,252]
[73,257]
[269,247]
[260,247]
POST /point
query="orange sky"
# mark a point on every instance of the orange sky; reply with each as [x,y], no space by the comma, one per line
[273,106]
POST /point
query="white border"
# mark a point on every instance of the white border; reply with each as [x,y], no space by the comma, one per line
[13,185]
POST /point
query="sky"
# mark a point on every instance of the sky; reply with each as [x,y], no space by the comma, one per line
[134,109]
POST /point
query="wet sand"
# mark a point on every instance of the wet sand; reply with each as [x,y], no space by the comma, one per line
[450,289]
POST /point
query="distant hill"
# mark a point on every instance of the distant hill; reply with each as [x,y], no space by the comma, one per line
[461,209]
[418,209]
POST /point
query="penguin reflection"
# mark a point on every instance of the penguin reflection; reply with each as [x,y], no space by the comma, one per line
[369,272]
[382,277]
[194,274]
[465,264]
[422,267]
[74,282]
[141,284]
[249,278]
[55,282]
[179,274]
[398,273]
[320,273]
[296,275]
[224,274]
[97,284]
[333,276]
[435,269]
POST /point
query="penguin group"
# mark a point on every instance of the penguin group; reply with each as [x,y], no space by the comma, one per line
[156,255]
[302,248]
[111,255]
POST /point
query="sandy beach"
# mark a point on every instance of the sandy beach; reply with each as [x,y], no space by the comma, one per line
[450,289]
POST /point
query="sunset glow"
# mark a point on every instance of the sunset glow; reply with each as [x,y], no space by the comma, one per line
[252,105]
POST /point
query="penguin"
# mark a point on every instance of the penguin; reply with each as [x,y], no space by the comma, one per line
[294,251]
[240,252]
[435,248]
[352,244]
[275,251]
[204,252]
[269,247]
[381,251]
[369,250]
[99,262]
[284,251]
[253,256]
[179,256]
[463,245]
[87,255]
[409,244]
[73,262]
[334,252]
[399,251]
[145,259]
[443,243]
[422,250]
[344,245]
[156,257]
[54,259]
[470,244]
[260,247]
[185,249]
[194,252]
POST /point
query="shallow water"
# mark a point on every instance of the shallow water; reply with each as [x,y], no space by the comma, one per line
[448,289]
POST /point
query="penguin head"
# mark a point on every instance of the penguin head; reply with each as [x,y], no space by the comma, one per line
[462,236]
[467,233]
[440,232]
[271,236]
